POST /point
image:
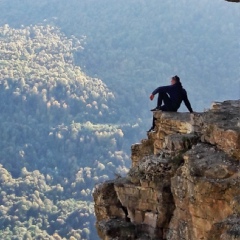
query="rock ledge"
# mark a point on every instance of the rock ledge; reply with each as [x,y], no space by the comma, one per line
[184,182]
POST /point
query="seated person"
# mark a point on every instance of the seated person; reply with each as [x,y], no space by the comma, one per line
[171,96]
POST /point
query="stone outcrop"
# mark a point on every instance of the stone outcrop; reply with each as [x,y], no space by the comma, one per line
[184,182]
[204,191]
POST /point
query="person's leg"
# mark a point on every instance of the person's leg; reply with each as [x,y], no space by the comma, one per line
[164,108]
[153,124]
[162,98]
[166,100]
[167,104]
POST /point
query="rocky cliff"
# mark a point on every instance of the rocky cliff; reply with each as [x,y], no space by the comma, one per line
[184,182]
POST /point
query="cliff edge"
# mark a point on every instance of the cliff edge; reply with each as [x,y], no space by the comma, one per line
[184,182]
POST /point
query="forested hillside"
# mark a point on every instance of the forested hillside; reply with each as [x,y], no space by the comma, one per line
[59,135]
[75,77]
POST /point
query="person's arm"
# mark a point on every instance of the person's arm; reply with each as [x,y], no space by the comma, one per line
[160,90]
[186,101]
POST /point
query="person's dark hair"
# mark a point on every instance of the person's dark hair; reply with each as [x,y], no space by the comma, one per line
[176,78]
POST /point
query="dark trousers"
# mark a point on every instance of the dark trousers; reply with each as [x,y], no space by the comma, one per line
[167,105]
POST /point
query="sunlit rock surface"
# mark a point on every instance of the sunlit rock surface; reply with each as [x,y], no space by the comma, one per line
[184,182]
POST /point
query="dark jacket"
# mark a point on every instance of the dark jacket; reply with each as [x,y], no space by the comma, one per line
[177,94]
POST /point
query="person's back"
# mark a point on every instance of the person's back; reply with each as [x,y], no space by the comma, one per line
[175,93]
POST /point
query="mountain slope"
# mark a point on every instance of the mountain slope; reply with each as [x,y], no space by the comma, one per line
[57,139]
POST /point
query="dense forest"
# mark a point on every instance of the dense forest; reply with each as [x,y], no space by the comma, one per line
[75,78]
[59,131]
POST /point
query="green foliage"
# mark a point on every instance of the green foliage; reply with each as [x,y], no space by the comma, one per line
[37,69]
[29,209]
[56,138]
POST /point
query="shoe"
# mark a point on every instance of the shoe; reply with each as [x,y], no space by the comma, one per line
[155,109]
[151,130]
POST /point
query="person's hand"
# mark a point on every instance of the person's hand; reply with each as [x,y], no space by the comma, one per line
[151,97]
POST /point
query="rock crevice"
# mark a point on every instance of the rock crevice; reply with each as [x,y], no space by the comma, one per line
[184,182]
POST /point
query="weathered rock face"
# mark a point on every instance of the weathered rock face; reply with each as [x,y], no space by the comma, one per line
[184,182]
[204,190]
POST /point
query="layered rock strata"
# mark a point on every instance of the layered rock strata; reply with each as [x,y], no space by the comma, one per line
[184,182]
